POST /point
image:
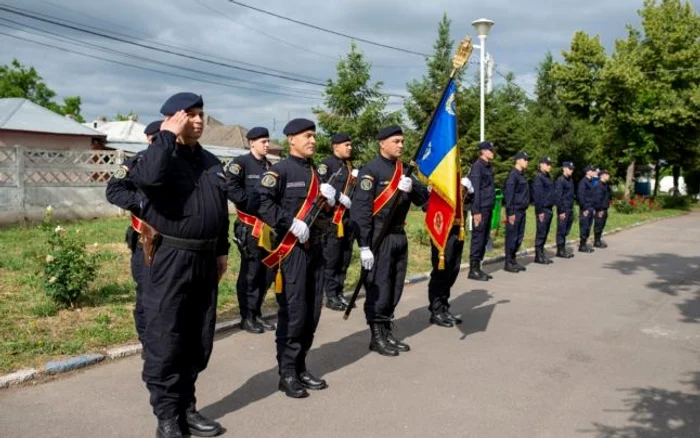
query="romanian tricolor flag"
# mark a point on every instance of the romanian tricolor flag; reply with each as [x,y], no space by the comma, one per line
[438,164]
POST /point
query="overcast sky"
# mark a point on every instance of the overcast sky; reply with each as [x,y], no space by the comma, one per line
[233,35]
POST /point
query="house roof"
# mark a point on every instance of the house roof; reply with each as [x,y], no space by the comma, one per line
[126,131]
[18,114]
[233,136]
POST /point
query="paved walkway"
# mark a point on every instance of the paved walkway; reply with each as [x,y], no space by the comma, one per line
[603,345]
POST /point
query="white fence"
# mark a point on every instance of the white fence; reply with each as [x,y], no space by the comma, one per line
[73,182]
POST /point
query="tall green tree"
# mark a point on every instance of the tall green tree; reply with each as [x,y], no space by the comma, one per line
[354,105]
[17,80]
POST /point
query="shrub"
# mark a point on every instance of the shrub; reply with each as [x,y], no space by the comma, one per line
[68,268]
[675,202]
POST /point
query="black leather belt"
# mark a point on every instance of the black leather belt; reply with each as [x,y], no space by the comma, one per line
[190,244]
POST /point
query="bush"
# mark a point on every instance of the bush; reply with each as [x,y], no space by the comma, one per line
[638,204]
[68,268]
[675,202]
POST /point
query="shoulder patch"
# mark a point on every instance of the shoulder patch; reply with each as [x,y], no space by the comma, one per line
[322,169]
[366,182]
[234,168]
[269,179]
[121,172]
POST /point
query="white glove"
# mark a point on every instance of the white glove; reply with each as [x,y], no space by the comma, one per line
[328,192]
[300,229]
[468,184]
[406,184]
[345,200]
[366,258]
[355,172]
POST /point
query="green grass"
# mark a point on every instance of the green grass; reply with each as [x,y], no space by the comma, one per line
[33,330]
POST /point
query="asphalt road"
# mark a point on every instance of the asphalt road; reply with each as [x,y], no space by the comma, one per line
[603,345]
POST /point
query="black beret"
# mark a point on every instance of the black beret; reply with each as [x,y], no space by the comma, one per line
[485,146]
[588,168]
[153,127]
[603,172]
[521,155]
[567,164]
[297,126]
[389,131]
[256,133]
[339,138]
[181,101]
[545,160]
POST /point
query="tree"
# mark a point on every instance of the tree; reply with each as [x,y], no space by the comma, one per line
[425,94]
[16,80]
[355,106]
[126,117]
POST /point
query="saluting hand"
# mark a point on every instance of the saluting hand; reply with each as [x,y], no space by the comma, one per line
[175,123]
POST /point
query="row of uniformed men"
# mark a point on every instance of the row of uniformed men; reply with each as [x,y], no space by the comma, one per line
[181,190]
[593,196]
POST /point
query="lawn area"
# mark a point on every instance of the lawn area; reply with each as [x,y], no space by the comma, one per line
[33,330]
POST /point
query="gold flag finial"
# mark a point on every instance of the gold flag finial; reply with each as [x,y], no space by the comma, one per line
[464,51]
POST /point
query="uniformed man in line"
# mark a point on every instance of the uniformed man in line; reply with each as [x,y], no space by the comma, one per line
[586,208]
[123,193]
[517,199]
[481,177]
[338,248]
[601,200]
[564,195]
[286,192]
[442,280]
[380,180]
[543,195]
[185,245]
[254,278]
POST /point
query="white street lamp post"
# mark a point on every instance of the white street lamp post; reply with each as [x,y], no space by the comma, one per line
[482,27]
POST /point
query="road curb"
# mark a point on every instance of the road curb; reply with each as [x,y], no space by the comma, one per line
[86,360]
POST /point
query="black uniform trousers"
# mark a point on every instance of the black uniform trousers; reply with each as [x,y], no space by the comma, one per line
[564,225]
[138,271]
[337,253]
[585,223]
[515,233]
[600,221]
[385,282]
[480,235]
[179,300]
[543,227]
[299,306]
[254,278]
[441,281]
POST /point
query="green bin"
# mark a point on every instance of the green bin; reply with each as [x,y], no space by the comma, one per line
[496,214]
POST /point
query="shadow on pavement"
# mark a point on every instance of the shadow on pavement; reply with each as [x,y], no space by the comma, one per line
[657,413]
[334,356]
[674,274]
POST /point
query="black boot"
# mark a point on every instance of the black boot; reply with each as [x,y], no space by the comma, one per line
[539,256]
[310,382]
[198,425]
[583,247]
[292,387]
[334,303]
[379,343]
[251,326]
[267,326]
[440,320]
[475,272]
[598,243]
[391,339]
[456,320]
[345,301]
[510,266]
[561,252]
[169,428]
